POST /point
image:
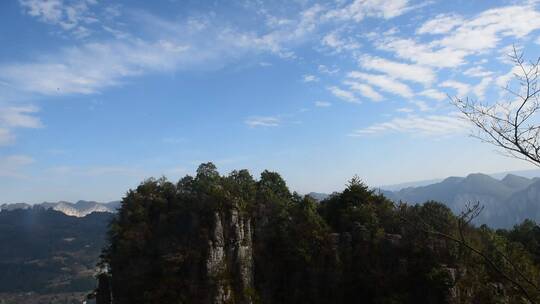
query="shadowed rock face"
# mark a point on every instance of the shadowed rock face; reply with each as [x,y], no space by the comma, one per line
[230,260]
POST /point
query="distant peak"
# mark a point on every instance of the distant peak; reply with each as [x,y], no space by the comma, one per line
[452,179]
[510,177]
[480,177]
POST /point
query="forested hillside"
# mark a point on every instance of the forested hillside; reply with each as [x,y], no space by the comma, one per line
[46,251]
[234,239]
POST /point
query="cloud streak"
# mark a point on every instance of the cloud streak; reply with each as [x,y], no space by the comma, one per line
[431,125]
[263,121]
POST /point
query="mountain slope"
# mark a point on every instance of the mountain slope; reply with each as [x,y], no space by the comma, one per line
[516,182]
[49,251]
[506,202]
[521,205]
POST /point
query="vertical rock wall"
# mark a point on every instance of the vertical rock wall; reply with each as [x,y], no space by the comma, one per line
[230,258]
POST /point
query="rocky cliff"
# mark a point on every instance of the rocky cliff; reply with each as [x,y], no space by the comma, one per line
[230,258]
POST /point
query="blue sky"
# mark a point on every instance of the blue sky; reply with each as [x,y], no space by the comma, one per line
[96,95]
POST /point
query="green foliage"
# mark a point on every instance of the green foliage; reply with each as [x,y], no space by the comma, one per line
[46,251]
[355,246]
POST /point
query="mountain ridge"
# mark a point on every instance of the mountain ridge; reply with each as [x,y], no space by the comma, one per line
[80,208]
[506,201]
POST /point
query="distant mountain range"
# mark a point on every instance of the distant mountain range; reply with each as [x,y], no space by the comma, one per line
[532,173]
[506,201]
[78,209]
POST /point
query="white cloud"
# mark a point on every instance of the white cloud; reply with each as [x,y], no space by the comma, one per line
[441,24]
[48,11]
[91,67]
[19,117]
[405,110]
[69,15]
[359,9]
[12,117]
[480,89]
[263,121]
[477,71]
[343,94]
[292,32]
[322,104]
[365,90]
[326,70]
[403,71]
[505,79]
[473,36]
[424,54]
[339,44]
[310,78]
[488,28]
[422,105]
[461,88]
[167,46]
[6,137]
[434,94]
[431,125]
[385,83]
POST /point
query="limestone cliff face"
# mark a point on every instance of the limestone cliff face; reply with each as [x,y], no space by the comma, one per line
[230,258]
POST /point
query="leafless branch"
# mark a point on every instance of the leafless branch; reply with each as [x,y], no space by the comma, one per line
[510,124]
[469,214]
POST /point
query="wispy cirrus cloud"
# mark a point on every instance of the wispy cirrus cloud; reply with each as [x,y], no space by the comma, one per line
[464,38]
[357,10]
[480,89]
[263,121]
[15,117]
[91,67]
[310,78]
[339,43]
[343,94]
[364,90]
[434,94]
[440,24]
[477,71]
[87,68]
[384,82]
[322,104]
[430,125]
[398,70]
[73,16]
[461,88]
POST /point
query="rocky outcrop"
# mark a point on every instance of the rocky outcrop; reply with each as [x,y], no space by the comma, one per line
[230,258]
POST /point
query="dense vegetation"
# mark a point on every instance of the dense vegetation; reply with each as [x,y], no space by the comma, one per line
[46,251]
[356,246]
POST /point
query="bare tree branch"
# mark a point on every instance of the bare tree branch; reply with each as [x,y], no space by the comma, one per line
[510,124]
[471,212]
